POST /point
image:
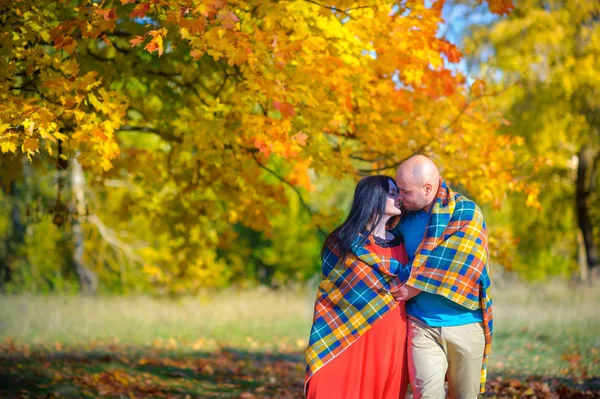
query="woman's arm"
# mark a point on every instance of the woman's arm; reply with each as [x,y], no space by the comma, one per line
[405,293]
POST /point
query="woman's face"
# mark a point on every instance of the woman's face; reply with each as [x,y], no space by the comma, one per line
[392,206]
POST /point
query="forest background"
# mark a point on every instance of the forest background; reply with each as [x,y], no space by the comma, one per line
[173,149]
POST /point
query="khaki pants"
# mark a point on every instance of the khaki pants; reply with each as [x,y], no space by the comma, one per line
[434,352]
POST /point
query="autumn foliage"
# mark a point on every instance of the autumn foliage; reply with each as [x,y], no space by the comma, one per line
[212,113]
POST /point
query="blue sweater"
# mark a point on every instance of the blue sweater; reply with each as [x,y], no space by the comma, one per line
[433,310]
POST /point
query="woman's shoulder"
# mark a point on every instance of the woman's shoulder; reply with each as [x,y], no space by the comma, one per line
[389,243]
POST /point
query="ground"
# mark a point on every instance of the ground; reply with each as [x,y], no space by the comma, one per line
[249,344]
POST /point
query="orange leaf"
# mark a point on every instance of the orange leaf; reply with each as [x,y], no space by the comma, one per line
[196,54]
[136,40]
[140,10]
[300,137]
[451,51]
[501,7]
[108,14]
[106,40]
[262,147]
[286,109]
[478,88]
[66,43]
[100,134]
[229,19]
[156,44]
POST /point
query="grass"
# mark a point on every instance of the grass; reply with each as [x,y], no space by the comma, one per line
[547,329]
[259,319]
[250,343]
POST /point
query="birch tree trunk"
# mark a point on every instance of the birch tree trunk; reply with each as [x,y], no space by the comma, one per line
[87,278]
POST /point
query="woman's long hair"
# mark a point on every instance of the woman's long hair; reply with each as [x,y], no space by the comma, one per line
[369,203]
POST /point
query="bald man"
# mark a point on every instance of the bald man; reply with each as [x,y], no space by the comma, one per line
[444,338]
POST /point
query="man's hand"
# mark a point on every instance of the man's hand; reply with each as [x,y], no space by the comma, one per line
[405,293]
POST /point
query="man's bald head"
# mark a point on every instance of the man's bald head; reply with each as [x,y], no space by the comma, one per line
[420,169]
[418,180]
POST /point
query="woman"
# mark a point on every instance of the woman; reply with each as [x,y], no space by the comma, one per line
[357,345]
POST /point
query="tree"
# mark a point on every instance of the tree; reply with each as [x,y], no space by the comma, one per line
[544,55]
[242,100]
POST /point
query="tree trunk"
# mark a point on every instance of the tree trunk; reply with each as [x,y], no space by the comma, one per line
[5,272]
[585,171]
[582,258]
[9,245]
[18,229]
[87,278]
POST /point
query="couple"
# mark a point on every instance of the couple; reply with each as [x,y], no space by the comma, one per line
[405,299]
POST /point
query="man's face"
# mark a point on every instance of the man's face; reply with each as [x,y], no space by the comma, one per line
[410,192]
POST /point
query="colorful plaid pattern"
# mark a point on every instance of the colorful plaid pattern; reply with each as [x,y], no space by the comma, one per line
[354,293]
[452,260]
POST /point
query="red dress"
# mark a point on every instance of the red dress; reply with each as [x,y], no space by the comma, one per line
[375,366]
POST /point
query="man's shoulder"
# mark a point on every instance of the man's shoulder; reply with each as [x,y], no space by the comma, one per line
[466,208]
[463,202]
[404,223]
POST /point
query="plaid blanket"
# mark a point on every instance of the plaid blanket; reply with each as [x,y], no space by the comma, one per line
[452,260]
[353,294]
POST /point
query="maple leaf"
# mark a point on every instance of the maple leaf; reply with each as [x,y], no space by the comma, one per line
[136,40]
[108,14]
[100,134]
[7,146]
[156,44]
[286,109]
[451,51]
[140,10]
[300,138]
[30,145]
[106,40]
[501,7]
[67,43]
[229,19]
[196,54]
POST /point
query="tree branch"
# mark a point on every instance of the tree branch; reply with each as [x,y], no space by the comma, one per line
[298,193]
[335,9]
[144,129]
[383,156]
[110,237]
[395,164]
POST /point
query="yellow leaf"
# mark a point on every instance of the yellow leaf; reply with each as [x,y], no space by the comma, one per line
[96,103]
[46,135]
[61,136]
[30,145]
[45,36]
[29,126]
[7,146]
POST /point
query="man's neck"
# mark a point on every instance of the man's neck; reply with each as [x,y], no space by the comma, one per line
[428,208]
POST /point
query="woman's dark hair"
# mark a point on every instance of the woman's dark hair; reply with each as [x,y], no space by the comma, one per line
[369,203]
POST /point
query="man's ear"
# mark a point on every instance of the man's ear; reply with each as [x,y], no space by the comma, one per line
[428,187]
